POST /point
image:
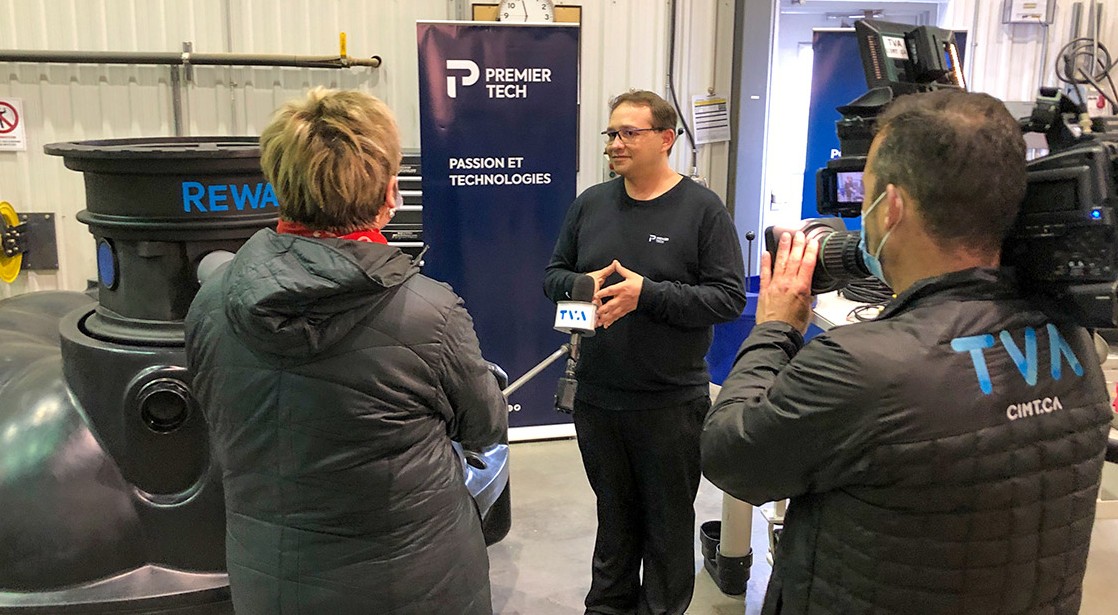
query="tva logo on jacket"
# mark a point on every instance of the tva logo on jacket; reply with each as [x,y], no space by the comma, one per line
[1059,351]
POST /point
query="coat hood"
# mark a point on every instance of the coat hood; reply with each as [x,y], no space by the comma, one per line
[297,296]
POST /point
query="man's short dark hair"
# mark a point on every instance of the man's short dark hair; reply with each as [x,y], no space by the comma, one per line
[962,157]
[663,114]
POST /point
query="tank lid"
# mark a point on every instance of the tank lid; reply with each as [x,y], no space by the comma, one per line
[158,154]
[147,148]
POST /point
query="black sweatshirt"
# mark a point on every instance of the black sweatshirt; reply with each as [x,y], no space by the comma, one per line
[684,244]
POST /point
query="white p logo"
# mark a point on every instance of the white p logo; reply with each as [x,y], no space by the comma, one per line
[471,75]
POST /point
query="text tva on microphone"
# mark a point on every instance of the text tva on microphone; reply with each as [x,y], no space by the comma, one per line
[575,317]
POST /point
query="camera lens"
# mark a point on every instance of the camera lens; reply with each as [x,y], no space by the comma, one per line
[840,260]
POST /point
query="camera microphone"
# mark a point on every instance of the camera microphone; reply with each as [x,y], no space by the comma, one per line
[577,317]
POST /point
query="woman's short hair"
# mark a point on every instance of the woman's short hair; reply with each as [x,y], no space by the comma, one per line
[330,157]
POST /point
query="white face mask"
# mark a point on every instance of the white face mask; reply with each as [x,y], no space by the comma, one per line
[873,259]
[399,203]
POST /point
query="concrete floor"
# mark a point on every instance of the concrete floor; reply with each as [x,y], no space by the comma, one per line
[543,566]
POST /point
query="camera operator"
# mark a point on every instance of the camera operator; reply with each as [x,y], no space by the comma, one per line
[945,457]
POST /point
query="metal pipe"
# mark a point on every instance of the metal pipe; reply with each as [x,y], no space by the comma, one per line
[1069,60]
[1096,32]
[736,537]
[542,365]
[176,100]
[1092,29]
[187,69]
[185,58]
[1043,57]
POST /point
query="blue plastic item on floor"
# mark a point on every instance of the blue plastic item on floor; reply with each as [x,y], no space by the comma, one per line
[728,336]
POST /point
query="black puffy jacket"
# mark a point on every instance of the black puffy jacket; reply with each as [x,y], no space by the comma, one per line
[944,458]
[334,378]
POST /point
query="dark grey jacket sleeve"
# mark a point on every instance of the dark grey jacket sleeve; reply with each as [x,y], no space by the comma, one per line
[480,412]
[719,294]
[787,421]
[562,270]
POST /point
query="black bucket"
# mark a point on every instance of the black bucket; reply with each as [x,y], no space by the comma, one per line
[730,574]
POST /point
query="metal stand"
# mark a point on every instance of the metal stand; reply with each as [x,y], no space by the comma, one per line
[567,384]
[727,552]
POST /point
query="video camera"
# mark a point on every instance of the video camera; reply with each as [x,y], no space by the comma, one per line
[1064,245]
[898,59]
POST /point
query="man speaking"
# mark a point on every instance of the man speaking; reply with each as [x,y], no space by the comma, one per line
[666,260]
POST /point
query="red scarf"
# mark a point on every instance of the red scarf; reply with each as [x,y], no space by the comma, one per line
[294,228]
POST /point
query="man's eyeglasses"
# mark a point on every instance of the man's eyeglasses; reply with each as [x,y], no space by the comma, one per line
[626,134]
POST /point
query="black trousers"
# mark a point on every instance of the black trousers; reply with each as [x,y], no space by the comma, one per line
[644,467]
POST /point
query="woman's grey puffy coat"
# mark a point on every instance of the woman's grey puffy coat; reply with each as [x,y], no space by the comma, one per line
[334,377]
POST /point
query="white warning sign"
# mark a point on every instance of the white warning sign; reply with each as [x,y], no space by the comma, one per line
[12,135]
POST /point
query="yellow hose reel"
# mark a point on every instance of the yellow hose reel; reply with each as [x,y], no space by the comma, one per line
[9,263]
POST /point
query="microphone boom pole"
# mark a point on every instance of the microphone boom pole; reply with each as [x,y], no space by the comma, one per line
[532,373]
[576,317]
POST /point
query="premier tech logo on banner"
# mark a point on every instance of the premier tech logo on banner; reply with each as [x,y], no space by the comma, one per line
[498,119]
[502,82]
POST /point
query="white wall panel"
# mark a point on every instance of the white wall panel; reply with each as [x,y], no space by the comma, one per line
[1007,61]
[74,102]
[619,52]
[704,65]
[624,45]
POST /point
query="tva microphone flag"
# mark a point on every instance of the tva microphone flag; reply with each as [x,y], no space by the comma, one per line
[498,117]
[579,315]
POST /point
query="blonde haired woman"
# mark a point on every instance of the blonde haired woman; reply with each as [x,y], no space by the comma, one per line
[334,377]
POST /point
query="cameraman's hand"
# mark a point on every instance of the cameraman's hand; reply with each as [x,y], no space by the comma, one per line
[786,286]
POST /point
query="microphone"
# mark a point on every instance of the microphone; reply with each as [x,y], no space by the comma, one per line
[578,318]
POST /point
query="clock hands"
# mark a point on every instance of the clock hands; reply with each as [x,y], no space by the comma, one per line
[544,10]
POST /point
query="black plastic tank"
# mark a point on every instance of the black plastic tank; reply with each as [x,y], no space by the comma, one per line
[109,500]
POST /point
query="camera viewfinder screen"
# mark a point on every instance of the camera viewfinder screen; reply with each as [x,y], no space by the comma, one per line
[1057,195]
[849,187]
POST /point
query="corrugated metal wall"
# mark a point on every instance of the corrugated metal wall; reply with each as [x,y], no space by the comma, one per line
[624,44]
[71,102]
[1006,60]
